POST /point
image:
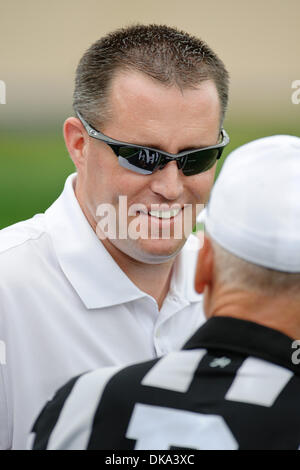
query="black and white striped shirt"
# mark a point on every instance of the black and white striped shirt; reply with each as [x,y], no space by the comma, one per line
[235,385]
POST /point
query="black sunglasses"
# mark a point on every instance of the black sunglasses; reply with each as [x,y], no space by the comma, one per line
[146,160]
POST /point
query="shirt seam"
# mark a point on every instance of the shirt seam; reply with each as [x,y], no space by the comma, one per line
[23,242]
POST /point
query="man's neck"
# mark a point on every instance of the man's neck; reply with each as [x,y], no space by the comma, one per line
[153,279]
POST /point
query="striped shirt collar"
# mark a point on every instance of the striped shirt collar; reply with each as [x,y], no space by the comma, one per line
[245,337]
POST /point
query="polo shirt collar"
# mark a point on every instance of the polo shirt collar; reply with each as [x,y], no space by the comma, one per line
[182,282]
[245,337]
[89,267]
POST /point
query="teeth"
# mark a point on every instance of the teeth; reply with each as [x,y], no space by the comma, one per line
[165,214]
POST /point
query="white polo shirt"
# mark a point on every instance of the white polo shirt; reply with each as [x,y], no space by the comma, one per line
[66,307]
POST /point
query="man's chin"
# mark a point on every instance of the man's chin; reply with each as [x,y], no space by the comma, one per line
[154,251]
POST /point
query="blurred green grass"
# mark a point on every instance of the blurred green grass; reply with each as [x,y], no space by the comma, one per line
[33,171]
[34,166]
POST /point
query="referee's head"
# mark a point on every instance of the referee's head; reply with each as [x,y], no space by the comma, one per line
[249,266]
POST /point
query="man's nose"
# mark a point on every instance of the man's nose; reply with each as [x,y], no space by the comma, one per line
[168,182]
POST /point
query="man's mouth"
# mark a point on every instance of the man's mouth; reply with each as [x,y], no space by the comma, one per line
[166,214]
[163,214]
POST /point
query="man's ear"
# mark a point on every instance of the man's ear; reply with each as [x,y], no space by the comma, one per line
[204,269]
[75,139]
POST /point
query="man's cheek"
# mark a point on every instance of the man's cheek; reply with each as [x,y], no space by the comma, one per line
[209,178]
[202,185]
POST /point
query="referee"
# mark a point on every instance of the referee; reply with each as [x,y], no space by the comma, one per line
[236,383]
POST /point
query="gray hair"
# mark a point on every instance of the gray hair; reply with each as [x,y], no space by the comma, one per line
[241,274]
[166,54]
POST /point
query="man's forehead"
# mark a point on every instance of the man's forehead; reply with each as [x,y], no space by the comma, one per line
[135,86]
[137,100]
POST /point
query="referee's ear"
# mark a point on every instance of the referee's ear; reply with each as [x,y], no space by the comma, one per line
[204,269]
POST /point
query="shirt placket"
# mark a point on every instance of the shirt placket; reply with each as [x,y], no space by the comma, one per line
[161,335]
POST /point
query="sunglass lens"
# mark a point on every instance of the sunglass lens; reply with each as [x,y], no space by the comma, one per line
[142,161]
[201,161]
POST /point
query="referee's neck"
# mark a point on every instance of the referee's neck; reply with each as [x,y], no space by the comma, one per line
[280,312]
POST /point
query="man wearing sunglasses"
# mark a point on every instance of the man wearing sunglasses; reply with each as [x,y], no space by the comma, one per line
[146,135]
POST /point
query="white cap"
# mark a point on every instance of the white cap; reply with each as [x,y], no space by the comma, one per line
[254,208]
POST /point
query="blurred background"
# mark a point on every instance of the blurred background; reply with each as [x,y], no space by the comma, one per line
[41,43]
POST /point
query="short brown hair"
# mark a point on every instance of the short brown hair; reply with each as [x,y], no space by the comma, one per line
[166,54]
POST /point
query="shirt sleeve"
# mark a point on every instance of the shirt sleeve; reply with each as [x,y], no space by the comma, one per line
[48,417]
[66,421]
